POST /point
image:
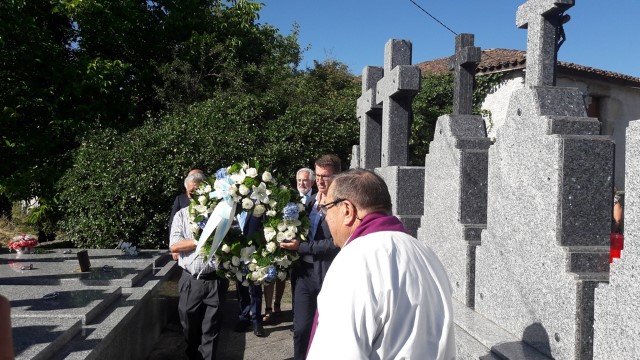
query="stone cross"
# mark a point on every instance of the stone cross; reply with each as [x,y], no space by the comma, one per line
[370,116]
[395,91]
[541,18]
[464,64]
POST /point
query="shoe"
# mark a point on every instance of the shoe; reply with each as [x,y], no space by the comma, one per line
[259,331]
[267,316]
[242,326]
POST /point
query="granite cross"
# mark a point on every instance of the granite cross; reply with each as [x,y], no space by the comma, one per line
[370,117]
[464,64]
[541,18]
[395,91]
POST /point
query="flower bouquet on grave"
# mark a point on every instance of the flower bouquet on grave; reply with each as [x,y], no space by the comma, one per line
[23,243]
[256,258]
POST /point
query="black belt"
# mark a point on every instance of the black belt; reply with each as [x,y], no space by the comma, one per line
[203,276]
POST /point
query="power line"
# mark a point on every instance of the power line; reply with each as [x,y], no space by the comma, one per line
[433,17]
[446,27]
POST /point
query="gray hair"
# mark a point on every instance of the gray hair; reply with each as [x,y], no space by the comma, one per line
[312,175]
[197,177]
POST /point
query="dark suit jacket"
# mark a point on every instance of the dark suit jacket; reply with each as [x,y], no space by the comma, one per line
[321,247]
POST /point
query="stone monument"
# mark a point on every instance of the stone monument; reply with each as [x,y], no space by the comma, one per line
[617,306]
[455,186]
[550,178]
[397,84]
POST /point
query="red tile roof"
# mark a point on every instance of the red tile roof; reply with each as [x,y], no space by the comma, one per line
[497,60]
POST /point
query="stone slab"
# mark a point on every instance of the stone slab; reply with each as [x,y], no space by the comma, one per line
[35,338]
[80,302]
[58,268]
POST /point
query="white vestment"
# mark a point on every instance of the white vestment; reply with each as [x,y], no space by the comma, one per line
[385,296]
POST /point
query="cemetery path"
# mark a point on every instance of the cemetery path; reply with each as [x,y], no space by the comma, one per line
[277,345]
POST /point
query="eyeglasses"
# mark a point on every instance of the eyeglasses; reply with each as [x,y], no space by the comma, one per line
[324,208]
[323,177]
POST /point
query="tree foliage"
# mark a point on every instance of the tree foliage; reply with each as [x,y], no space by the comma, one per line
[105,203]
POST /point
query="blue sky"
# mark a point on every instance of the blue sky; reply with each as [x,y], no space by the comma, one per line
[602,33]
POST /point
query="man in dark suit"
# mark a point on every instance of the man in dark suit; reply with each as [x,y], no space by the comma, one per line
[316,255]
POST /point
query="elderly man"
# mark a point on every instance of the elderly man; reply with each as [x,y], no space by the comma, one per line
[386,295]
[199,302]
[304,182]
[317,254]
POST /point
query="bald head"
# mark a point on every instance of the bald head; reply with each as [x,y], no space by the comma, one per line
[364,188]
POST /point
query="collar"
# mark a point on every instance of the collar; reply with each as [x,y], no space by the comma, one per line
[376,222]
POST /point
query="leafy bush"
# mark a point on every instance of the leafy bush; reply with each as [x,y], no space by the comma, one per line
[121,187]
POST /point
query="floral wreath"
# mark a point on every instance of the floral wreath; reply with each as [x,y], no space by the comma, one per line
[22,241]
[256,258]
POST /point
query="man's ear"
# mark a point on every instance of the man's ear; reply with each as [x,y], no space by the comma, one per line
[349,213]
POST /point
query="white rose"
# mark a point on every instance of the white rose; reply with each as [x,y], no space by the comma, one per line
[272,203]
[269,233]
[201,209]
[243,189]
[271,246]
[252,172]
[289,235]
[226,248]
[280,236]
[202,199]
[300,206]
[258,210]
[282,226]
[271,213]
[266,176]
[235,261]
[207,188]
[252,267]
[292,228]
[247,203]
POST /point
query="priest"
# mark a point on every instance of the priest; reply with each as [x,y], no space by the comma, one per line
[386,294]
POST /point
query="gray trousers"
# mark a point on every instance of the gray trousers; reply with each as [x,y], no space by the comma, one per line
[198,308]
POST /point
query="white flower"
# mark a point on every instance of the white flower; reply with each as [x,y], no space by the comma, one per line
[271,246]
[282,275]
[280,236]
[252,172]
[226,264]
[245,253]
[282,226]
[289,235]
[195,228]
[247,204]
[283,261]
[266,176]
[207,188]
[272,203]
[226,248]
[202,200]
[292,228]
[261,193]
[252,267]
[258,210]
[201,209]
[271,213]
[300,206]
[245,165]
[235,261]
[239,177]
[269,233]
[243,189]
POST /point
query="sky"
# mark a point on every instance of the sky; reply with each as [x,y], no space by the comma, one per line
[601,33]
